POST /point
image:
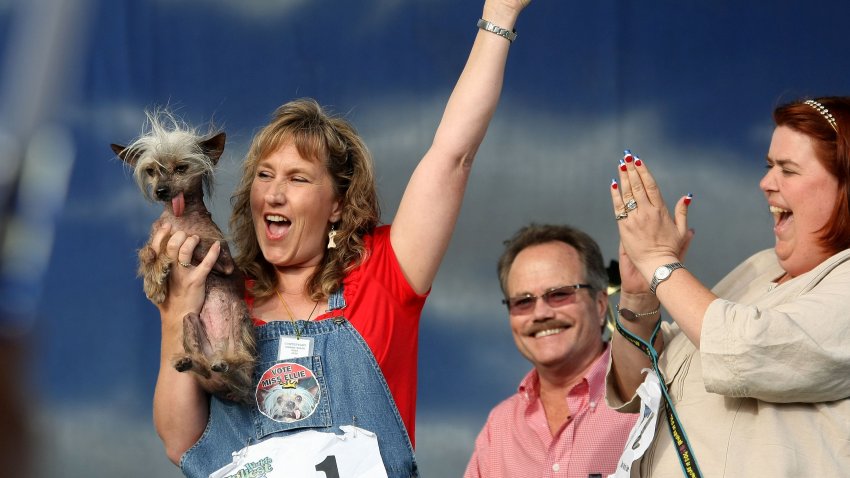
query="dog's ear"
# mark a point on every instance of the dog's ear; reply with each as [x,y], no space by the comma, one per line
[214,147]
[129,157]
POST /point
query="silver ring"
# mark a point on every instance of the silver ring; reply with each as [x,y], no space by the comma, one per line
[631,205]
[622,216]
[184,264]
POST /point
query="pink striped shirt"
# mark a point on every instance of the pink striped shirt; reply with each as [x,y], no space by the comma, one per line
[516,441]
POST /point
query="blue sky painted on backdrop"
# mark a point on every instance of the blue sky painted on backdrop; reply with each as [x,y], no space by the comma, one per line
[689,86]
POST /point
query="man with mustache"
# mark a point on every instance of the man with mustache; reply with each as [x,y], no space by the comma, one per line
[555,288]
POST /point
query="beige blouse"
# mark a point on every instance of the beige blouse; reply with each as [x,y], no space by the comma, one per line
[768,393]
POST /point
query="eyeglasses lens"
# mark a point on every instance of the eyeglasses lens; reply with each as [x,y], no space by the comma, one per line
[554,298]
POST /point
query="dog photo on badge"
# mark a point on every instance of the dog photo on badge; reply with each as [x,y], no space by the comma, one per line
[288,392]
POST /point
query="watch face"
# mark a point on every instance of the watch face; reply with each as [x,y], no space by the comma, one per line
[662,273]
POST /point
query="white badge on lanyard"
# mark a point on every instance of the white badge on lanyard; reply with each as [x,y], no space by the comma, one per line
[644,430]
[294,347]
[310,453]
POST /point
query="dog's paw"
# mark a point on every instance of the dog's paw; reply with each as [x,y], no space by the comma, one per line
[156,293]
[183,364]
[147,255]
[160,272]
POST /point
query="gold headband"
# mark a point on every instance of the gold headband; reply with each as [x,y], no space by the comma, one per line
[824,112]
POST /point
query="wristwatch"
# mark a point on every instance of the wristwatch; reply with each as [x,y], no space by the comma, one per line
[663,273]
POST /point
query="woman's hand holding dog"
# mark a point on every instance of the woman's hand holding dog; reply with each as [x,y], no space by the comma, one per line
[186,285]
[179,398]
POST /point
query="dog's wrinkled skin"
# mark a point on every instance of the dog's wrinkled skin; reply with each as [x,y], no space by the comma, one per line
[174,165]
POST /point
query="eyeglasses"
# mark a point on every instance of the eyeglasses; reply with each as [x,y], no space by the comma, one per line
[555,297]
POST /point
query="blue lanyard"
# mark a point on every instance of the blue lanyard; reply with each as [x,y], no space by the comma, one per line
[680,439]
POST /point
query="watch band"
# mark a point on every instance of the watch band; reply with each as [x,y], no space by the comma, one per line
[662,273]
[510,35]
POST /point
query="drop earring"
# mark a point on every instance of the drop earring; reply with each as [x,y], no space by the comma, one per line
[331,236]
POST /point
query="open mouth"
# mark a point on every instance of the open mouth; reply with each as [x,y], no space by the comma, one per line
[547,332]
[277,225]
[780,216]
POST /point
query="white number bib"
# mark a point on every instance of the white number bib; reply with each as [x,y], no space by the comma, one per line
[310,454]
[644,430]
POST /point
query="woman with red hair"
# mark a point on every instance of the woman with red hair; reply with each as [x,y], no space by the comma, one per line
[754,374]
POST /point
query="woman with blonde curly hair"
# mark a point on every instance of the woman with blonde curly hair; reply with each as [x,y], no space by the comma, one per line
[336,297]
[315,134]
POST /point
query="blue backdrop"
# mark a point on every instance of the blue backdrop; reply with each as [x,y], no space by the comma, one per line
[689,86]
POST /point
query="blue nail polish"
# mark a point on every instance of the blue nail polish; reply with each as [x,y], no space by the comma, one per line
[627,151]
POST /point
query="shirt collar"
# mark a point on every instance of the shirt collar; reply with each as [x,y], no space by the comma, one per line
[529,387]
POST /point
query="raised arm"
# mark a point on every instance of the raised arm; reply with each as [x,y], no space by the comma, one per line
[627,360]
[180,406]
[431,203]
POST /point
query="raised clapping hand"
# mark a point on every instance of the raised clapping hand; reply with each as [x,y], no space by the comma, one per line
[631,280]
[649,235]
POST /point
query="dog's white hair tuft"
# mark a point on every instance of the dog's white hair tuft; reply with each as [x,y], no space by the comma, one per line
[166,137]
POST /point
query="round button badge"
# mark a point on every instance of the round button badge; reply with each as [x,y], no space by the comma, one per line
[288,392]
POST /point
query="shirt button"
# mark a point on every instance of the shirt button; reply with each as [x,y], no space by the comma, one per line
[556,467]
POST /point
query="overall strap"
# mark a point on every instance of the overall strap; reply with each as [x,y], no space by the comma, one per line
[336,301]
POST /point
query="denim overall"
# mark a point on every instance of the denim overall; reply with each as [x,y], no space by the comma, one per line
[353,392]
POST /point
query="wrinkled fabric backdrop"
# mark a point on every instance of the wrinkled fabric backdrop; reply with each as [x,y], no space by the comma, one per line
[689,86]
